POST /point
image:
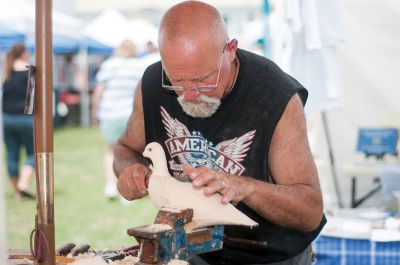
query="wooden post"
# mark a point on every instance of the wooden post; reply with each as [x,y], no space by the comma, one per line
[43,129]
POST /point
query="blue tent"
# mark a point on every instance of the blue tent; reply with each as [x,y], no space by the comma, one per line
[95,47]
[66,45]
[61,44]
[8,37]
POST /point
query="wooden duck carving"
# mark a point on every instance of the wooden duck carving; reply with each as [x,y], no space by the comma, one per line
[166,191]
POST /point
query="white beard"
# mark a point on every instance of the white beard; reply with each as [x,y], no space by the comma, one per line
[204,107]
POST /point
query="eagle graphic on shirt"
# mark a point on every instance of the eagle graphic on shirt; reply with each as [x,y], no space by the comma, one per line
[192,148]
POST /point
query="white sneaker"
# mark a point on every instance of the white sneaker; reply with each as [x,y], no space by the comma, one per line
[110,190]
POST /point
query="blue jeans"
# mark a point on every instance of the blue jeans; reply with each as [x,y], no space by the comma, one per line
[18,132]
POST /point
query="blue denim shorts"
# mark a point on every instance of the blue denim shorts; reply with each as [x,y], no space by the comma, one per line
[111,130]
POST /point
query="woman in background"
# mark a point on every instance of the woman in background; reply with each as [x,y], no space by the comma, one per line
[113,102]
[18,128]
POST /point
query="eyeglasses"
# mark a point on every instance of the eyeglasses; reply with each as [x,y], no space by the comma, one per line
[200,88]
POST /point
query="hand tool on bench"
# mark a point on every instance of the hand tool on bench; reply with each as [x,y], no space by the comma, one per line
[80,250]
[65,249]
[25,254]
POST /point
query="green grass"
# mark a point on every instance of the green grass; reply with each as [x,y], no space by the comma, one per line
[82,214]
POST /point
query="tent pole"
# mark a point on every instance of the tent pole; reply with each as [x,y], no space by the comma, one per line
[84,91]
[332,160]
[43,132]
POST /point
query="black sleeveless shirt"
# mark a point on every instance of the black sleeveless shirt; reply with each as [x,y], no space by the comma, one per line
[236,140]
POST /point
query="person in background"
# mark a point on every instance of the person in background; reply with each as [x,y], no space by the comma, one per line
[233,123]
[150,48]
[112,101]
[18,127]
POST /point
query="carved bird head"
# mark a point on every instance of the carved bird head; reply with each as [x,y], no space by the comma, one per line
[155,152]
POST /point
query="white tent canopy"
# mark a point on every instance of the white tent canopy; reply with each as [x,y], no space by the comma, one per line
[111,27]
[20,15]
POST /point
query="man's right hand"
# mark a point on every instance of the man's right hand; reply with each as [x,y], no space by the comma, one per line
[133,181]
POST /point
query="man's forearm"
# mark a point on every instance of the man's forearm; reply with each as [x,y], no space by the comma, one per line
[124,157]
[297,206]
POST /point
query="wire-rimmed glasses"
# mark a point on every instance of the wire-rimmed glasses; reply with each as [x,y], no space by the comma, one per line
[200,88]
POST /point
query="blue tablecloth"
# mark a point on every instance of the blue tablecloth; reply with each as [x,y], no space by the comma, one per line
[343,251]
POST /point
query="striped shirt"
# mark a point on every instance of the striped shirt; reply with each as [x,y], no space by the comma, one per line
[119,77]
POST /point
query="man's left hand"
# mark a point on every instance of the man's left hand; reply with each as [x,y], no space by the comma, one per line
[231,187]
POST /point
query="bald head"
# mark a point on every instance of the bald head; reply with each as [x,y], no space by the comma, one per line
[190,25]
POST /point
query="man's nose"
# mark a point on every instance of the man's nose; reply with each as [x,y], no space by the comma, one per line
[191,94]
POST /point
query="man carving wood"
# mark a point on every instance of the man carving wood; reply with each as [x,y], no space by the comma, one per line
[233,123]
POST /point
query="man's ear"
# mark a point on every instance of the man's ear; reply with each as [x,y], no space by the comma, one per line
[232,48]
[233,44]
